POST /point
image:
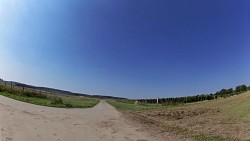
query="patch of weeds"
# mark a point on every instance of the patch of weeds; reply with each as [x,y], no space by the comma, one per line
[68,104]
[203,137]
[145,120]
[56,100]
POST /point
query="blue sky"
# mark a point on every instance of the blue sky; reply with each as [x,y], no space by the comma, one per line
[130,48]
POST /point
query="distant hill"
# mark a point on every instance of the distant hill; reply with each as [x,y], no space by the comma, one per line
[58,91]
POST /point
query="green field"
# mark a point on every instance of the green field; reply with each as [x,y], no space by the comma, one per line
[45,98]
[220,119]
[67,102]
[130,106]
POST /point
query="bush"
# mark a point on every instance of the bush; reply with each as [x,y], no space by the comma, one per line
[1,88]
[33,94]
[41,95]
[56,100]
[68,105]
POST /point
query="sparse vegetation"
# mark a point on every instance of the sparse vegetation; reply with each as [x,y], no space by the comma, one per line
[219,119]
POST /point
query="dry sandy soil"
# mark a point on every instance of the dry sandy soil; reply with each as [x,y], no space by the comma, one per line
[21,121]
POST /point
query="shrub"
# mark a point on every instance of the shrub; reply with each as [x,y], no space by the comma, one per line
[33,94]
[56,100]
[40,95]
[68,105]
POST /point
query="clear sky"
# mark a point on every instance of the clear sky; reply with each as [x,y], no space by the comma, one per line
[127,48]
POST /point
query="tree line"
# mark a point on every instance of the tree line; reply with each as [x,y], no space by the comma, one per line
[223,93]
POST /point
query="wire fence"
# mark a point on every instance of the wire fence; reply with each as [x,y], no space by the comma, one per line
[12,87]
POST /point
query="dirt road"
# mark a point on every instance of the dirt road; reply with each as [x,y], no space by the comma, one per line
[21,121]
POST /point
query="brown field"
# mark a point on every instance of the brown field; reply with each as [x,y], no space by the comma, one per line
[221,119]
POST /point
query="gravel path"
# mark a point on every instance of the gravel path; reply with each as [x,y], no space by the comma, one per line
[21,121]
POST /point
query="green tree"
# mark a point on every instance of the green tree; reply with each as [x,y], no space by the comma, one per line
[223,91]
[230,90]
[241,88]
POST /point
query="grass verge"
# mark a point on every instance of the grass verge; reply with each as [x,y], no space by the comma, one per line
[130,106]
[66,102]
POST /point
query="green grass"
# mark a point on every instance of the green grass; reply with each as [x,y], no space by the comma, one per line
[81,102]
[130,106]
[242,109]
[68,102]
[203,137]
[137,107]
